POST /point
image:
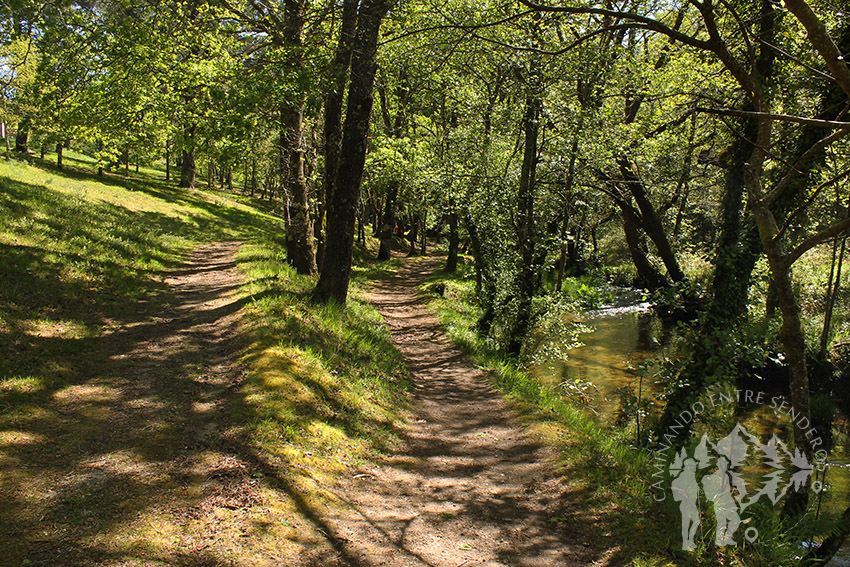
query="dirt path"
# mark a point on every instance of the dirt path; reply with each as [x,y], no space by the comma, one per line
[471,488]
[134,459]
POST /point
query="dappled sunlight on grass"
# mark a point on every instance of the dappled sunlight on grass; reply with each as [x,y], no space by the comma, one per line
[94,448]
[325,385]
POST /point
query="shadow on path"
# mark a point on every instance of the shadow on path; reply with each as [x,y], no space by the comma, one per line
[470,487]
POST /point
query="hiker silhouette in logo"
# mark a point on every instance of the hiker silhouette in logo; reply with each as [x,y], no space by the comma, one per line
[718,490]
[686,492]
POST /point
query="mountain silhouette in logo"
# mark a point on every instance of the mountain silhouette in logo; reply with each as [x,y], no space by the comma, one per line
[716,470]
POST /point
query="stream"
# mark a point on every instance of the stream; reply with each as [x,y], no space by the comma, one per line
[623,334]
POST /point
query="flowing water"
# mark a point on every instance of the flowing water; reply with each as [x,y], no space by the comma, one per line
[620,336]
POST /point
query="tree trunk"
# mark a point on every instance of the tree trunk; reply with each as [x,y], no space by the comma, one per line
[562,253]
[735,255]
[299,237]
[832,293]
[477,253]
[454,239]
[413,236]
[299,234]
[187,171]
[253,176]
[388,223]
[648,276]
[59,155]
[650,222]
[332,131]
[5,135]
[526,234]
[22,136]
[423,218]
[342,202]
[168,159]
[568,190]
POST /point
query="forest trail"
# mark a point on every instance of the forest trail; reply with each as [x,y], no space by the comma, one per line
[137,458]
[470,487]
[140,460]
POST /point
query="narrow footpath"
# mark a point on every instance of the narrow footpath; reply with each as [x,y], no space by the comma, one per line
[470,488]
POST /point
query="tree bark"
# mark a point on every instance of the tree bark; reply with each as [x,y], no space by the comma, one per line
[526,233]
[388,223]
[59,155]
[648,276]
[332,131]
[299,237]
[253,176]
[5,138]
[187,170]
[832,293]
[22,136]
[568,190]
[299,234]
[454,240]
[650,222]
[413,236]
[342,201]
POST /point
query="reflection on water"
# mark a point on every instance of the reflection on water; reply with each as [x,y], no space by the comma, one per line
[831,502]
[622,336]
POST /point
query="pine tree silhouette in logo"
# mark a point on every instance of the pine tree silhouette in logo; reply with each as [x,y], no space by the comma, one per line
[714,470]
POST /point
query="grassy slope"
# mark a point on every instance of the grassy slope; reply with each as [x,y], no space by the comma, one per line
[81,257]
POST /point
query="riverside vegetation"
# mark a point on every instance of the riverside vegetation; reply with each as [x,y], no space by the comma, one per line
[692,150]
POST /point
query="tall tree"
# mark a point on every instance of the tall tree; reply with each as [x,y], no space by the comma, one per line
[299,235]
[342,202]
[338,73]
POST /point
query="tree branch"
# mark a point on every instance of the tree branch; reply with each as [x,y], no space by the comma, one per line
[650,23]
[821,41]
[820,237]
[794,171]
[835,179]
[834,124]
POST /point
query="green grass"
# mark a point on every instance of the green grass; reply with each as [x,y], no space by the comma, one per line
[78,252]
[83,258]
[326,386]
[598,460]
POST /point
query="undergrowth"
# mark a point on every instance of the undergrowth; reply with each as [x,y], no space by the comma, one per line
[616,475]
